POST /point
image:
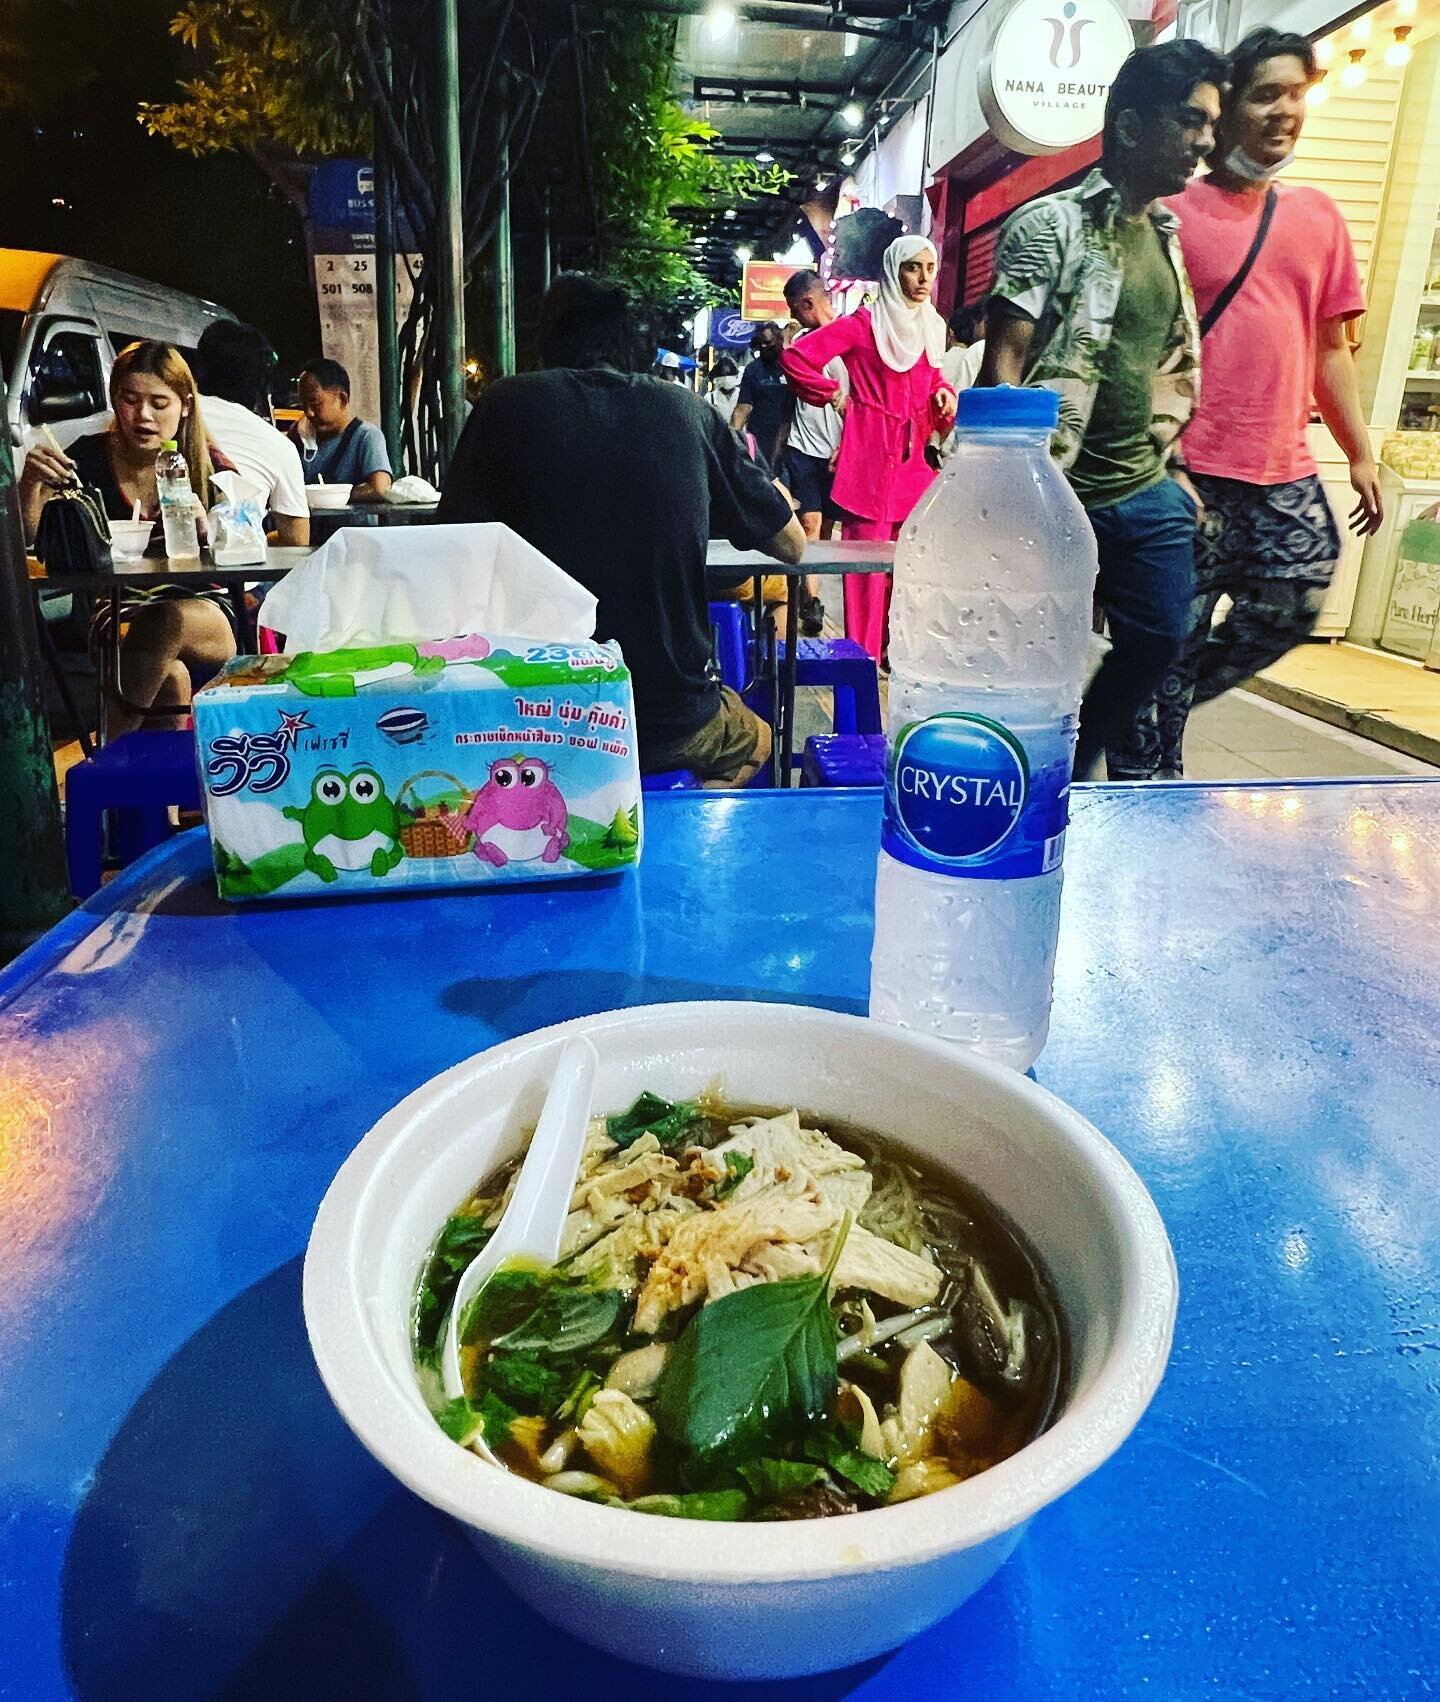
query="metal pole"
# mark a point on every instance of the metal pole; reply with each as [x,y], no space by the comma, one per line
[547,262]
[448,244]
[504,276]
[386,331]
[34,891]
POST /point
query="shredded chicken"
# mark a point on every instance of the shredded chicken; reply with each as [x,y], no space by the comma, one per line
[925,1380]
[782,1151]
[712,1245]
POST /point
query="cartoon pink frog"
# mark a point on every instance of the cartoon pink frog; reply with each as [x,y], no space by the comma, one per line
[516,816]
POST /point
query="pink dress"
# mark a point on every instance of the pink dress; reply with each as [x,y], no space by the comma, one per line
[882,469]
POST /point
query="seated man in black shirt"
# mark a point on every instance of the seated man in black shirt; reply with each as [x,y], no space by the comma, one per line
[621,480]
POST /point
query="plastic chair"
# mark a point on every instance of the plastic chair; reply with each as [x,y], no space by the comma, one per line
[850,672]
[138,776]
[671,780]
[844,759]
[732,644]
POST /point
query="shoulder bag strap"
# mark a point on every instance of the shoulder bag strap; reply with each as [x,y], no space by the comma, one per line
[1237,283]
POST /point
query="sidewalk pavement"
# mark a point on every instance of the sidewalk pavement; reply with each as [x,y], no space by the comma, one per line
[1387,699]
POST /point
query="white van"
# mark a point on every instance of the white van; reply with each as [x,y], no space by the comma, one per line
[62,322]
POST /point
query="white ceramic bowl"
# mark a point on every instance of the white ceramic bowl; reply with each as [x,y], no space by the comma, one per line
[327,496]
[129,538]
[746,1600]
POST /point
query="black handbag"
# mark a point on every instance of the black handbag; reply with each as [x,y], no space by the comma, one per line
[73,535]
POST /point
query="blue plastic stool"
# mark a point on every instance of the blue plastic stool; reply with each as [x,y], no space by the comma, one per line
[138,776]
[848,669]
[732,644]
[671,780]
[844,759]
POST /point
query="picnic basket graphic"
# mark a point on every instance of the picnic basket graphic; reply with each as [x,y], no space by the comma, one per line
[424,832]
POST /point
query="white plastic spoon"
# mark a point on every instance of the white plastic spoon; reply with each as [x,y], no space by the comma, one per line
[534,1220]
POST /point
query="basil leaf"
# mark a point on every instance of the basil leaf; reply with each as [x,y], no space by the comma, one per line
[869,1475]
[752,1368]
[711,1504]
[651,1115]
[567,1321]
[525,1382]
[496,1417]
[456,1245]
[738,1166]
[770,1479]
[460,1421]
[582,1391]
[510,1295]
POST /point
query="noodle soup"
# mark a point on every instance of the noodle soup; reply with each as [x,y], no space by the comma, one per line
[751,1319]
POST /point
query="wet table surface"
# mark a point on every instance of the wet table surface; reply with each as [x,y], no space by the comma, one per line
[1248,1004]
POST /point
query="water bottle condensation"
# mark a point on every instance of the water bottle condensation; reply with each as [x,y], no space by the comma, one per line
[989,640]
[177,503]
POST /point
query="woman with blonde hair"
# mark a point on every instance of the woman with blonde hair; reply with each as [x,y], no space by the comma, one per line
[169,629]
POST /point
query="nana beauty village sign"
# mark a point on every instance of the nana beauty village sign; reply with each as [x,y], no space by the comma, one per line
[1044,81]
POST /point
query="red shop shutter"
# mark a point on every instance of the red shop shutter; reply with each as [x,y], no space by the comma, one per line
[979,262]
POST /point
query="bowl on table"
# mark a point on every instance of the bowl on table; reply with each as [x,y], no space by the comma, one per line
[327,496]
[129,538]
[747,1600]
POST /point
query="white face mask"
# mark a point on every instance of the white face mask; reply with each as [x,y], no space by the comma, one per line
[1239,164]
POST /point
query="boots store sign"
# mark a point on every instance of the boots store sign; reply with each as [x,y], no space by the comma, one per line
[1044,81]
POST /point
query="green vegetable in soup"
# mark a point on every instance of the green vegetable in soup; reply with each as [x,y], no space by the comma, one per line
[769,1479]
[526,1382]
[710,1504]
[460,1240]
[738,1166]
[566,1322]
[754,1368]
[691,1368]
[651,1115]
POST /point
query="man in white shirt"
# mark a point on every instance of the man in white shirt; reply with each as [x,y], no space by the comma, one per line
[814,441]
[233,370]
[962,360]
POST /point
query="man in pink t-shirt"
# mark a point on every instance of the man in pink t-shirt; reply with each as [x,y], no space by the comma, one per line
[1268,539]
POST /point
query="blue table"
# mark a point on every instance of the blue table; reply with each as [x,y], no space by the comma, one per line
[1248,1004]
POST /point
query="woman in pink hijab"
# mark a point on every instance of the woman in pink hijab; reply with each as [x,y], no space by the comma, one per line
[897,399]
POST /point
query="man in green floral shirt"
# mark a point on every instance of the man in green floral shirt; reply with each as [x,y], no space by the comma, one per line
[1090,299]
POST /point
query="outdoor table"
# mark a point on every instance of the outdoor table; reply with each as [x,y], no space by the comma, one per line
[1247,1005]
[109,585]
[386,513]
[824,558]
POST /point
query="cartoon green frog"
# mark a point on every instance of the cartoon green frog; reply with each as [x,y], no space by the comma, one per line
[348,823]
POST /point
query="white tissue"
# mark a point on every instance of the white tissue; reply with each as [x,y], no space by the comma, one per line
[403,585]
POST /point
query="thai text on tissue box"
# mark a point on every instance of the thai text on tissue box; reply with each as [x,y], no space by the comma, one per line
[433,762]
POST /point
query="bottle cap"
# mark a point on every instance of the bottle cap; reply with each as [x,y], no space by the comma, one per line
[1008,407]
[168,443]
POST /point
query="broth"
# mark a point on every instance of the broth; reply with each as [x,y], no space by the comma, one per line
[750,1319]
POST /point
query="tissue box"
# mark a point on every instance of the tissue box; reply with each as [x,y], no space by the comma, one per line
[467,762]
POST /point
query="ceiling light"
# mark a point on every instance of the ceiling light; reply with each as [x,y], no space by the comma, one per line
[1325,50]
[852,43]
[729,212]
[1360,29]
[1406,8]
[764,157]
[1354,73]
[847,158]
[1318,93]
[1398,52]
[743,252]
[852,114]
[720,19]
